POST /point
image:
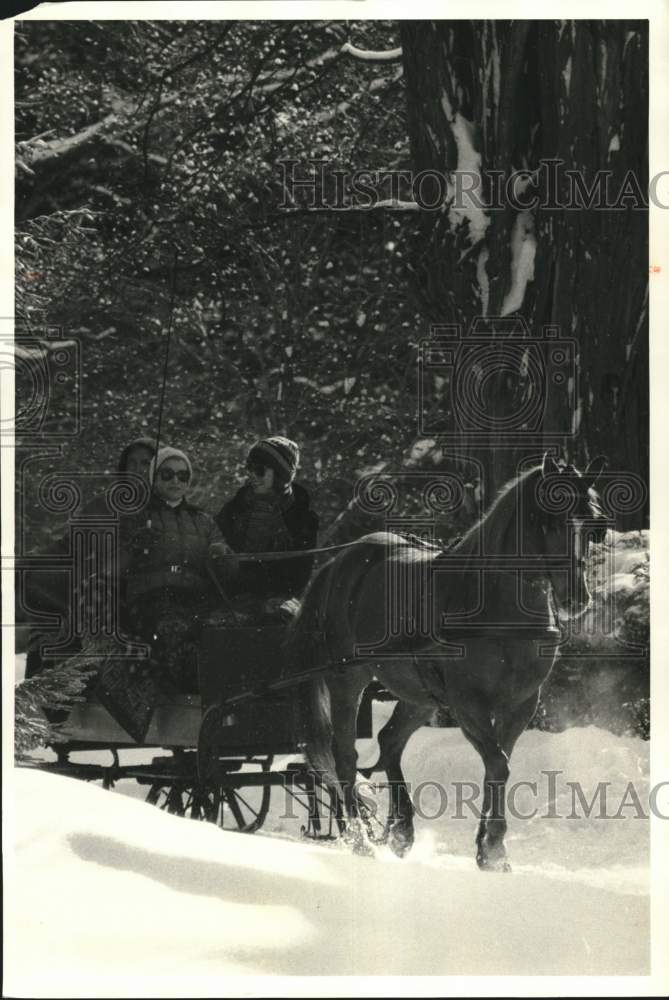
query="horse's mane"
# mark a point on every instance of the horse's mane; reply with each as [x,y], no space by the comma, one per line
[494,524]
[491,534]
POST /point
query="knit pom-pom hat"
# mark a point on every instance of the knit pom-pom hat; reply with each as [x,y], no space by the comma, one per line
[163,455]
[278,453]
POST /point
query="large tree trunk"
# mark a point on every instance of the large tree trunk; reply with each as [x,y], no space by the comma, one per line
[515,93]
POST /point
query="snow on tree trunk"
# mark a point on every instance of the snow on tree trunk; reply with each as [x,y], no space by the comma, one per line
[504,96]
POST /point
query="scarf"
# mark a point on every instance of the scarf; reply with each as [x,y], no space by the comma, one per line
[266,529]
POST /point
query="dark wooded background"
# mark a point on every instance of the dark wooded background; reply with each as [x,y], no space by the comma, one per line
[138,138]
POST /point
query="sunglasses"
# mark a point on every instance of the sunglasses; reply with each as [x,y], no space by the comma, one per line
[167,474]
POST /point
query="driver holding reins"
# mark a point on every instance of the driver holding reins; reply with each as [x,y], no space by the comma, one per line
[270,513]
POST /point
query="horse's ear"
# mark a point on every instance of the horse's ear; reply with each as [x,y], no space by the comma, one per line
[595,469]
[549,465]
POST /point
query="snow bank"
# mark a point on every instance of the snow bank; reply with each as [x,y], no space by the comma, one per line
[560,841]
[139,902]
[109,896]
[602,675]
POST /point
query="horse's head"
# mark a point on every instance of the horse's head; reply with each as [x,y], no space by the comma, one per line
[565,518]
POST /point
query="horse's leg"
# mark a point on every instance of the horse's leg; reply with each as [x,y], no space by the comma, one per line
[345,697]
[477,725]
[509,725]
[394,735]
[496,753]
[513,723]
[393,738]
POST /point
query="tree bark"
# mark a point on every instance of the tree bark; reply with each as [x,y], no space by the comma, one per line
[527,92]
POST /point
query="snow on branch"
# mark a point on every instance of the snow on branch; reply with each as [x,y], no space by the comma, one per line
[397,205]
[45,347]
[390,55]
[272,80]
[381,83]
[36,152]
[41,151]
[389,204]
[330,55]
[127,148]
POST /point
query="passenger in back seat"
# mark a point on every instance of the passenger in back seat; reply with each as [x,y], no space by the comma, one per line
[51,592]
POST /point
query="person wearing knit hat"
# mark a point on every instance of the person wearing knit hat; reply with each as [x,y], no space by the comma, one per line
[279,454]
[164,454]
[270,513]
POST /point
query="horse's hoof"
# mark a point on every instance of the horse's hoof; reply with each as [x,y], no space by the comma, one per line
[359,845]
[355,837]
[489,864]
[376,835]
[400,840]
[363,849]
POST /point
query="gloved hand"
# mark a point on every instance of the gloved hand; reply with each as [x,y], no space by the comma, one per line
[227,563]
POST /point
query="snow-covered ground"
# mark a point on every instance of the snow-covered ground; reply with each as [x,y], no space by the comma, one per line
[139,902]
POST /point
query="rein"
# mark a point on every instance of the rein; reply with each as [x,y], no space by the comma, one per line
[300,553]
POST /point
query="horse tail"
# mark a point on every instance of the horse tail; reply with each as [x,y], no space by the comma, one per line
[318,731]
[305,648]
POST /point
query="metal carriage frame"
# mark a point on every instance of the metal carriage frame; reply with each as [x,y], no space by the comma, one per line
[218,746]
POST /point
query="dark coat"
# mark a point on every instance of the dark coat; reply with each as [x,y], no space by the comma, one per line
[167,547]
[282,577]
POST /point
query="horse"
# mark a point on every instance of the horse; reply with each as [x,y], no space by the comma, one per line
[475,627]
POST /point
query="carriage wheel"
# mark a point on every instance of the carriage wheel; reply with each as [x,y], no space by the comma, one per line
[242,809]
[239,809]
[177,799]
